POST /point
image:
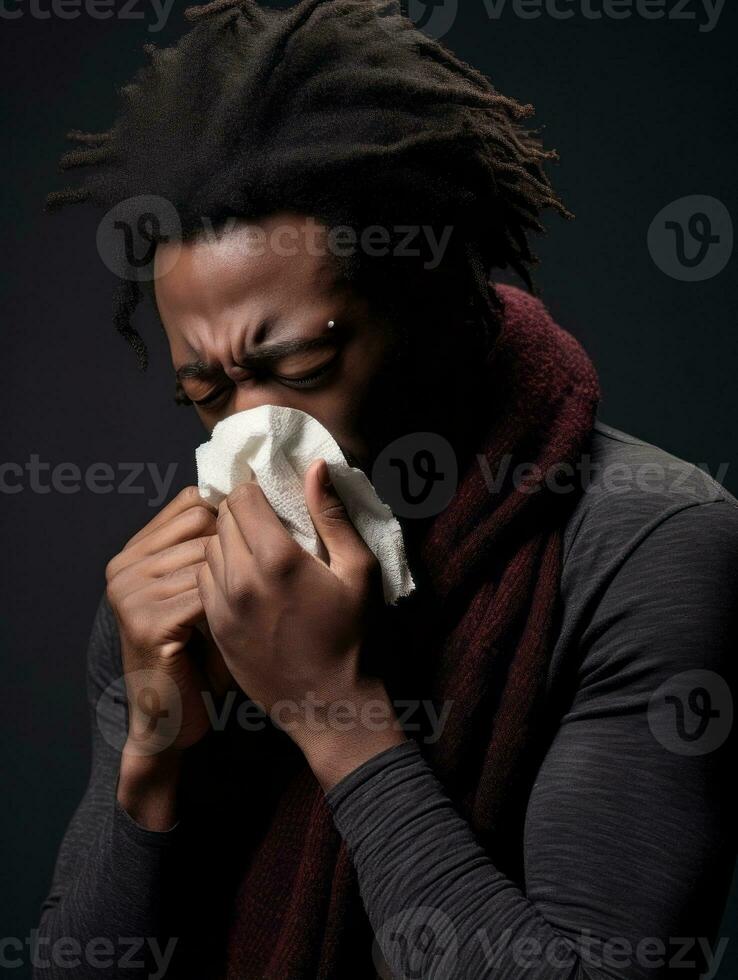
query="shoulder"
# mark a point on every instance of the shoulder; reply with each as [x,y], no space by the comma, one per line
[650,564]
[631,488]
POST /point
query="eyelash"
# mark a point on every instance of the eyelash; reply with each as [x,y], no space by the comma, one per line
[308,378]
[306,381]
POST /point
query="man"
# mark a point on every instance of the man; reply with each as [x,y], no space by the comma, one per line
[556,801]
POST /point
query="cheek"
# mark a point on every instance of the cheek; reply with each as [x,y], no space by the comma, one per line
[353,409]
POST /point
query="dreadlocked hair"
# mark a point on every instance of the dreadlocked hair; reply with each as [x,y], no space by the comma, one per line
[337,109]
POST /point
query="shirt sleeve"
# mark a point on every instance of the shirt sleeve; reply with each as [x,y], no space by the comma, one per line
[106,914]
[630,831]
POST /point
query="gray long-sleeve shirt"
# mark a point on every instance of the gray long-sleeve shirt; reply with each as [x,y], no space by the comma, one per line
[630,830]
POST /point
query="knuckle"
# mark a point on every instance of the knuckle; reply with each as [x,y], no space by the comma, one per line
[189,494]
[111,569]
[335,515]
[202,584]
[238,589]
[241,594]
[243,493]
[238,584]
[175,575]
[196,520]
[281,562]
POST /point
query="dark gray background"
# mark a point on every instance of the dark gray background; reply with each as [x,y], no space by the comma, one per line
[640,113]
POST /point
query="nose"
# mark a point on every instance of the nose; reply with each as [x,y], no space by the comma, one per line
[245,397]
[253,396]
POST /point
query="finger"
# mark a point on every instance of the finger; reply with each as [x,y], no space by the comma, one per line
[259,526]
[348,555]
[176,583]
[189,497]
[182,610]
[194,522]
[206,587]
[146,572]
[178,556]
[238,558]
[150,590]
[216,563]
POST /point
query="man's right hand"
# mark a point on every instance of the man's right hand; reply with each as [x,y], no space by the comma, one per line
[152,589]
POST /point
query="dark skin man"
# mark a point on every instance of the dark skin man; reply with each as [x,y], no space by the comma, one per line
[244,330]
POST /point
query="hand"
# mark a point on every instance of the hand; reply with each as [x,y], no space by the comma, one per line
[152,589]
[291,627]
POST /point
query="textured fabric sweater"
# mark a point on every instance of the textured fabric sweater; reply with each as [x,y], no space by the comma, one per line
[630,831]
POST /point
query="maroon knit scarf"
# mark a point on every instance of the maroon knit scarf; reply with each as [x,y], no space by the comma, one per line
[478,636]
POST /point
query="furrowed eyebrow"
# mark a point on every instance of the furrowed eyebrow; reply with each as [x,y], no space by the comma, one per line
[267,355]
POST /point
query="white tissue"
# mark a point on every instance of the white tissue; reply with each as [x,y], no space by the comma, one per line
[274,446]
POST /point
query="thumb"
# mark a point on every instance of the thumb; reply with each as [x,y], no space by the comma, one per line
[342,541]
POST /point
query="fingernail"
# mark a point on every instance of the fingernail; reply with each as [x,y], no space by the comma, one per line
[325,475]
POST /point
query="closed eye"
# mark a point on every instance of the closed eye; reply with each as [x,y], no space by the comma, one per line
[307,380]
[311,380]
[213,397]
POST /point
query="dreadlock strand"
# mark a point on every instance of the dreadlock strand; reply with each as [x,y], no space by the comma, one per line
[69,195]
[340,109]
[93,139]
[88,157]
[126,297]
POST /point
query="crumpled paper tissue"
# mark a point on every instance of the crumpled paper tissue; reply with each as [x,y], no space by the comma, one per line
[274,446]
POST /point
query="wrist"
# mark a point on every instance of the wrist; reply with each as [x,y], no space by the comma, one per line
[148,786]
[344,734]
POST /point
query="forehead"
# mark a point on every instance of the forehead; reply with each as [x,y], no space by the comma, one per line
[273,264]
